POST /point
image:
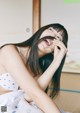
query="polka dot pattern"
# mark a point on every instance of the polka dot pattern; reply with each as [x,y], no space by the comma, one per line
[7,82]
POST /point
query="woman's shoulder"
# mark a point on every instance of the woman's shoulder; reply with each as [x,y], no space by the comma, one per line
[9,56]
[7,47]
[8,50]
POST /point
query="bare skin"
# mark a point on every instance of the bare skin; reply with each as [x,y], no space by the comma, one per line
[15,65]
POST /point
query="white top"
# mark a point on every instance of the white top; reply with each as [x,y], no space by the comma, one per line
[7,82]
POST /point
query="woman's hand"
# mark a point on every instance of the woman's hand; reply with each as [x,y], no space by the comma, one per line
[59,49]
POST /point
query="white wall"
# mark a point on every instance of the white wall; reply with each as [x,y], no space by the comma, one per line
[68,14]
[15,20]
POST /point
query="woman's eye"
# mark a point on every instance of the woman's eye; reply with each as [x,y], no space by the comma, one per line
[58,38]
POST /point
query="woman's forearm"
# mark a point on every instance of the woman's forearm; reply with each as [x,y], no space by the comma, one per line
[46,77]
[45,103]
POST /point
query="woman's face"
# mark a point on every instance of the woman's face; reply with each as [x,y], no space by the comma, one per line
[46,46]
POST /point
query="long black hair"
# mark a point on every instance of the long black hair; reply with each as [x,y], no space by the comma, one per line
[39,65]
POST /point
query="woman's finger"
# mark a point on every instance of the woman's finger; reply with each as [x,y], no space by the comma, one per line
[59,44]
[56,51]
[62,48]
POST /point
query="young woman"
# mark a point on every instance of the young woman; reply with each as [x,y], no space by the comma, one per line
[29,69]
